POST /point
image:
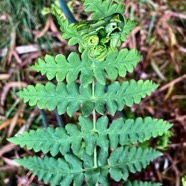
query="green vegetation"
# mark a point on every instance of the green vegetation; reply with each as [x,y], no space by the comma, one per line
[96,147]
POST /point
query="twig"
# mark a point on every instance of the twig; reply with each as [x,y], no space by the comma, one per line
[47,25]
[18,59]
[175,14]
[28,59]
[30,180]
[175,145]
[14,121]
[9,121]
[29,121]
[175,169]
[7,87]
[171,83]
[4,76]
[7,148]
[10,162]
[29,48]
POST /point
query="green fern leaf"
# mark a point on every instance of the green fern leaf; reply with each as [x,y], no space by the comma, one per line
[117,96]
[138,130]
[129,131]
[128,27]
[64,97]
[68,170]
[68,98]
[71,137]
[140,183]
[124,160]
[60,68]
[68,29]
[56,171]
[105,8]
[61,139]
[124,132]
[117,63]
[91,150]
[53,140]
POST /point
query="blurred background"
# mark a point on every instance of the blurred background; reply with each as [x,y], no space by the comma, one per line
[28,31]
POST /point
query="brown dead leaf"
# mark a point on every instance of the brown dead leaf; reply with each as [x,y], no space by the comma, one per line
[7,87]
[9,121]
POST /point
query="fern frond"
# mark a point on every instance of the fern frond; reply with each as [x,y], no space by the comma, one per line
[124,160]
[68,98]
[140,183]
[49,140]
[68,30]
[128,27]
[138,130]
[56,171]
[117,63]
[94,148]
[60,68]
[63,139]
[65,97]
[102,8]
[71,137]
[125,132]
[121,161]
[117,96]
[59,139]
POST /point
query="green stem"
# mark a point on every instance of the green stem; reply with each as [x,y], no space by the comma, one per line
[94,128]
[93,112]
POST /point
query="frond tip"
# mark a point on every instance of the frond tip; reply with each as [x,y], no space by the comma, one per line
[105,8]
